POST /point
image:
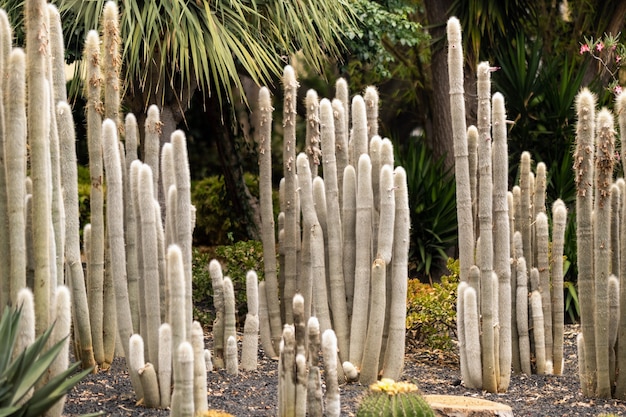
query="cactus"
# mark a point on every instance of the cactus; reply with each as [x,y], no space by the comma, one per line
[217,281]
[165,364]
[329,349]
[182,397]
[116,243]
[199,369]
[559,215]
[264,140]
[38,133]
[315,404]
[312,144]
[15,163]
[249,349]
[390,398]
[96,199]
[150,260]
[375,325]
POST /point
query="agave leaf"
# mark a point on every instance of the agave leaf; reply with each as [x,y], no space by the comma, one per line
[8,334]
[38,367]
[53,391]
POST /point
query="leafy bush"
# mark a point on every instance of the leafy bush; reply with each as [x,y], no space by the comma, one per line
[432,199]
[217,222]
[236,261]
[431,310]
[18,376]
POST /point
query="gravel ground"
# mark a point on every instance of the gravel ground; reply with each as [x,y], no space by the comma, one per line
[253,393]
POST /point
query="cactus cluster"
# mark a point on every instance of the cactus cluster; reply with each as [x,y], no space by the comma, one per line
[601,267]
[503,236]
[360,197]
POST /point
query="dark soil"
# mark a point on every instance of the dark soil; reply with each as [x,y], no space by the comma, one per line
[254,393]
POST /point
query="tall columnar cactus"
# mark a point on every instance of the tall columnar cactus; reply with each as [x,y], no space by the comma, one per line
[250,344]
[15,163]
[74,269]
[150,259]
[38,133]
[312,144]
[264,139]
[116,243]
[459,131]
[605,146]
[96,198]
[584,173]
[289,160]
[111,62]
[620,389]
[217,281]
[559,219]
[501,237]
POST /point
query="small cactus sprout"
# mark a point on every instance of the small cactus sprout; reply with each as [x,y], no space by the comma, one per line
[390,398]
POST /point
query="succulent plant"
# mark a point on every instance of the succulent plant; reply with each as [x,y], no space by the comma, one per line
[390,398]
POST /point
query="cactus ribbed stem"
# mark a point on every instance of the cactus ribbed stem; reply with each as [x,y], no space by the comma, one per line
[501,237]
[472,337]
[74,268]
[62,328]
[111,61]
[620,389]
[217,283]
[545,286]
[15,164]
[176,280]
[525,212]
[605,146]
[184,225]
[115,232]
[362,270]
[522,314]
[459,130]
[341,143]
[286,369]
[559,223]
[152,145]
[290,86]
[358,138]
[329,350]
[371,105]
[334,232]
[165,364]
[315,405]
[375,325]
[249,350]
[312,143]
[268,233]
[394,353]
[38,127]
[538,332]
[199,369]
[312,226]
[150,258]
[348,223]
[96,198]
[130,221]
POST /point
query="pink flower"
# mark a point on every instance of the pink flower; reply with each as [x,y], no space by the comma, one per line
[599,46]
[617,90]
[617,59]
[584,48]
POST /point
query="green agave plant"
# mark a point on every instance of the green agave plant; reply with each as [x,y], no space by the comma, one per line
[19,375]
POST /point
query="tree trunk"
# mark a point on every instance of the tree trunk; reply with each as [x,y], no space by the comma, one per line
[246,206]
[440,139]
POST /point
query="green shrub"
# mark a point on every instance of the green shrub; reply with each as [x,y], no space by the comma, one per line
[18,376]
[236,261]
[431,310]
[217,221]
